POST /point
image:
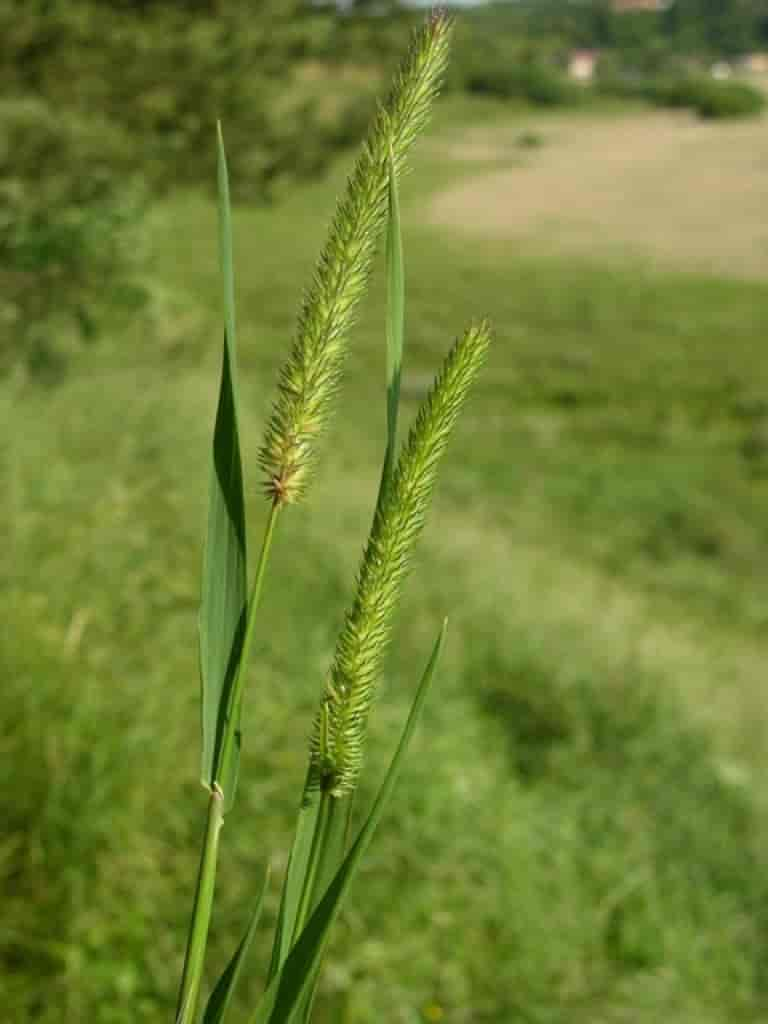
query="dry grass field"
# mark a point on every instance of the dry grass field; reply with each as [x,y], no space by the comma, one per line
[663,192]
[665,188]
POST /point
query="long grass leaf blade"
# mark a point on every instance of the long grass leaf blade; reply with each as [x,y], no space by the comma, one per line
[286,995]
[334,842]
[295,875]
[228,751]
[310,867]
[221,997]
[334,835]
[224,584]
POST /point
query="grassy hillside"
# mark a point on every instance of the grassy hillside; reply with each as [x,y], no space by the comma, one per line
[596,741]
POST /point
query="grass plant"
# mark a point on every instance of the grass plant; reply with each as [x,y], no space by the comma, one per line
[322,862]
[596,745]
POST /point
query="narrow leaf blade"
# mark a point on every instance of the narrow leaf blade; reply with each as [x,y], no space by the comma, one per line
[224,584]
[285,996]
[295,875]
[334,845]
[220,998]
[330,856]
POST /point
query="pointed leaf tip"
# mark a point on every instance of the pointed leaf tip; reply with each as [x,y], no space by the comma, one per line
[224,585]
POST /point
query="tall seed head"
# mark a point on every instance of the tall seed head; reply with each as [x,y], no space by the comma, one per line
[340,728]
[311,375]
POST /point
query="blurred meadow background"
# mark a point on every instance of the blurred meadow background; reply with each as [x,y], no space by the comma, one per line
[580,832]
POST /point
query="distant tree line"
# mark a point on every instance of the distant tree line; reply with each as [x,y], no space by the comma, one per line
[715,27]
[105,103]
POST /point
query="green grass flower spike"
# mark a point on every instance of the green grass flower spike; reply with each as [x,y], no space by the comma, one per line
[341,725]
[310,377]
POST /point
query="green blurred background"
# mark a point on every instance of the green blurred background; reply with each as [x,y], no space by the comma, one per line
[580,831]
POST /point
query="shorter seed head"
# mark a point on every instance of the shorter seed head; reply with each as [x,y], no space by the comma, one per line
[340,728]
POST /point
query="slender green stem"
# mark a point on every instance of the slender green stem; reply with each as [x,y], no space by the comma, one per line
[230,731]
[314,863]
[189,992]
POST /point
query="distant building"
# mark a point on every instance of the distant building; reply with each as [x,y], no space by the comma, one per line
[654,6]
[582,64]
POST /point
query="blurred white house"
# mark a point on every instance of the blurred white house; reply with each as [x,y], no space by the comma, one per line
[582,64]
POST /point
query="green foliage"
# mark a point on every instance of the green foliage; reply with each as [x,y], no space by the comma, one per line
[728,27]
[637,778]
[371,37]
[106,102]
[495,58]
[68,251]
[533,81]
[715,100]
[640,41]
[164,77]
[708,97]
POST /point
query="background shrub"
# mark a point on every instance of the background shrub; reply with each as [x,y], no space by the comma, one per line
[106,103]
[163,76]
[532,80]
[67,233]
[706,96]
[714,99]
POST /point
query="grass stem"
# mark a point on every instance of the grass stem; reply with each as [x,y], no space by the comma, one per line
[314,864]
[229,739]
[189,992]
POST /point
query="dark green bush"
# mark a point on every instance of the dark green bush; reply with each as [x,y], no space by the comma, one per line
[67,244]
[708,97]
[532,81]
[104,102]
[728,99]
[163,74]
[493,56]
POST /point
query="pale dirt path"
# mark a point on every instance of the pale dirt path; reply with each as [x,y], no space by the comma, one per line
[662,187]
